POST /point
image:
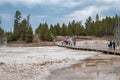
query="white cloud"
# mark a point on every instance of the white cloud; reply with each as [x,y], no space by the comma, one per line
[109,1]
[21,1]
[29,3]
[40,16]
[80,9]
[71,3]
[82,15]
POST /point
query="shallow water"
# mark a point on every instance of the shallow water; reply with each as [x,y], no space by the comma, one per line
[81,71]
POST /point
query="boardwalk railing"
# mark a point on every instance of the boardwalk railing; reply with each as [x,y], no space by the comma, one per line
[106,51]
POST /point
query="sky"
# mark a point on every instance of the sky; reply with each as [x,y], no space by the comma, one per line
[55,11]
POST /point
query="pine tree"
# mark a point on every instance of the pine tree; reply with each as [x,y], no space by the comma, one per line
[57,29]
[70,33]
[88,25]
[97,17]
[22,30]
[17,19]
[37,31]
[52,30]
[44,32]
[29,35]
[1,31]
[64,30]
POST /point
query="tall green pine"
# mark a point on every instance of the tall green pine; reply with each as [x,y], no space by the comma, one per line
[17,19]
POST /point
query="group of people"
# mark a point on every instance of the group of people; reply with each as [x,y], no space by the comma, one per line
[111,44]
[70,41]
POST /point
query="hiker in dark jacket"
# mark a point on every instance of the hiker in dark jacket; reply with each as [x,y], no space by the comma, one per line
[113,45]
[110,44]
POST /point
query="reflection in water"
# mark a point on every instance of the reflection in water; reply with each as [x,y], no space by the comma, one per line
[85,72]
[118,73]
[75,67]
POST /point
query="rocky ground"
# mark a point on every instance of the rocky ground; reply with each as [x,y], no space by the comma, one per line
[36,63]
[51,63]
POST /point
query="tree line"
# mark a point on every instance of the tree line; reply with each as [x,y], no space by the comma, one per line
[23,30]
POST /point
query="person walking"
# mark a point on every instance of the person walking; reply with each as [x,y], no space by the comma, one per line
[110,44]
[74,41]
[113,45]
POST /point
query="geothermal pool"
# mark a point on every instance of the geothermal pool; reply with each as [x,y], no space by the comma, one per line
[37,63]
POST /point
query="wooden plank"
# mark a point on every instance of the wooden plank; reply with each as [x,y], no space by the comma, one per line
[116,52]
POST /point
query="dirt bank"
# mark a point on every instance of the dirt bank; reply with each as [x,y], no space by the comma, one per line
[31,44]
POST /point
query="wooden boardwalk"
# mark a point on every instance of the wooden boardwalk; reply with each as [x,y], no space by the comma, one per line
[104,50]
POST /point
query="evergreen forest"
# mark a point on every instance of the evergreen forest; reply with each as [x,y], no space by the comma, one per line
[23,31]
